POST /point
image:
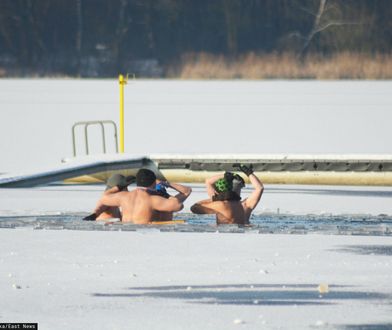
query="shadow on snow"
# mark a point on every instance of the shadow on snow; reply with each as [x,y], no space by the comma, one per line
[249,294]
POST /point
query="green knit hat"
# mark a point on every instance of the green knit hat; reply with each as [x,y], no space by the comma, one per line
[222,185]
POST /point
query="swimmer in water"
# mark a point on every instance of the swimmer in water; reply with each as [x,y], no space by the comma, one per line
[115,183]
[145,203]
[225,201]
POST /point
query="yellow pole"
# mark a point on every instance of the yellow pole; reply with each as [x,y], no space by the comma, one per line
[122,81]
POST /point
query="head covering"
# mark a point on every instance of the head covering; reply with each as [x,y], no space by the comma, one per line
[161,190]
[223,185]
[229,188]
[238,183]
[145,178]
[119,180]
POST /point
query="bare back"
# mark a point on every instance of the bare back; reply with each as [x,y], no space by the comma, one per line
[230,212]
[140,207]
[136,207]
[227,212]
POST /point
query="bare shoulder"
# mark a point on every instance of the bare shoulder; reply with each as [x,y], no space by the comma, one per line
[159,200]
[217,205]
[208,206]
[122,195]
[125,194]
[244,204]
[160,203]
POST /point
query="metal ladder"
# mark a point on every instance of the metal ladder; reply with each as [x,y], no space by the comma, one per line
[86,124]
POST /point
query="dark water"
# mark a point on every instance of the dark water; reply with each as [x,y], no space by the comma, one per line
[262,223]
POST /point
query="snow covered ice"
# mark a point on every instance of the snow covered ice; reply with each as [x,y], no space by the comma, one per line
[317,257]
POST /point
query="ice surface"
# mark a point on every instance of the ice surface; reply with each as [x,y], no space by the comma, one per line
[66,279]
[276,199]
[146,278]
[165,116]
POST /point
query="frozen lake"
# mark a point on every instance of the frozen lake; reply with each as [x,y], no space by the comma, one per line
[163,116]
[169,116]
[143,277]
[67,279]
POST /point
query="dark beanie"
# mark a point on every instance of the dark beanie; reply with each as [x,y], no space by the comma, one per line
[145,178]
[120,181]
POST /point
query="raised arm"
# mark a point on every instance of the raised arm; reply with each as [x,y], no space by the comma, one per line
[101,207]
[172,204]
[210,184]
[254,198]
[183,191]
[206,206]
[201,209]
[112,190]
[109,200]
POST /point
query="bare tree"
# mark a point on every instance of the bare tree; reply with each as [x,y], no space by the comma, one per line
[230,9]
[320,24]
[5,31]
[79,31]
[121,31]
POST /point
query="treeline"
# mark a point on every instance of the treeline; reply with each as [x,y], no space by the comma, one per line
[103,37]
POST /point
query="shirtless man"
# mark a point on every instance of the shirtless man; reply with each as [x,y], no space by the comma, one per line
[115,183]
[225,200]
[144,204]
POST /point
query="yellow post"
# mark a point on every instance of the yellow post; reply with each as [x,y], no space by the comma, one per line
[122,81]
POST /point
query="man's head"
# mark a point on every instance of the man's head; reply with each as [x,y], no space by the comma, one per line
[223,185]
[238,183]
[120,181]
[229,187]
[145,178]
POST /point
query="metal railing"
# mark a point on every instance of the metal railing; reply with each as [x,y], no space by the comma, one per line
[86,124]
